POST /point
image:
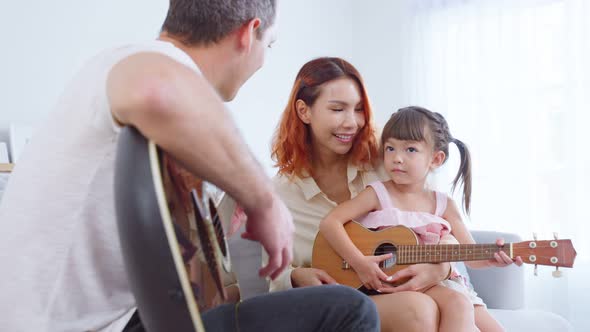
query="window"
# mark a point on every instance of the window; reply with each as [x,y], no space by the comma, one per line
[512,79]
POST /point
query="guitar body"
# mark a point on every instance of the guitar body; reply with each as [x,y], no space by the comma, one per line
[171,229]
[197,210]
[369,243]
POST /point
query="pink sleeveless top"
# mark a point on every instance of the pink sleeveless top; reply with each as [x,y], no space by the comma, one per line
[429,228]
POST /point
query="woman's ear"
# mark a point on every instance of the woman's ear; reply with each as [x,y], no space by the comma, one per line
[303,112]
[438,159]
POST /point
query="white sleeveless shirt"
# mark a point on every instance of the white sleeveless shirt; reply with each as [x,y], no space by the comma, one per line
[62,267]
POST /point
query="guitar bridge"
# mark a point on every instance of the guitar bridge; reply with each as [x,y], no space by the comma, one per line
[345,265]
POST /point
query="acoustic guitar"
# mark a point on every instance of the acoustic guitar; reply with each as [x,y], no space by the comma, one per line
[402,242]
[172,234]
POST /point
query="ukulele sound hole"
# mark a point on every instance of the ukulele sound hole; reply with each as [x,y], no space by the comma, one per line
[386,248]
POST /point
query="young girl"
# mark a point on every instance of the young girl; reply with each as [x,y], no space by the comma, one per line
[415,142]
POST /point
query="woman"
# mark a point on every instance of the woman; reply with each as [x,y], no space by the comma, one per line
[326,151]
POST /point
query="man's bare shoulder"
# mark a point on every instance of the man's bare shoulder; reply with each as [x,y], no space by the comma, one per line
[150,62]
[152,80]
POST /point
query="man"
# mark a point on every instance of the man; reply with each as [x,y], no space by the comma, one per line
[59,249]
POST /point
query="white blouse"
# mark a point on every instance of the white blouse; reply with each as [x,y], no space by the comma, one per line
[309,205]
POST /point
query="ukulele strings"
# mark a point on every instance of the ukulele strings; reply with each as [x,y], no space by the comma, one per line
[439,247]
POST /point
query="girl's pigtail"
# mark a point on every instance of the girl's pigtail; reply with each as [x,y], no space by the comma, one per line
[464,174]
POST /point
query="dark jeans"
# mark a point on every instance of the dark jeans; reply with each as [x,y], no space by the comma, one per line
[322,308]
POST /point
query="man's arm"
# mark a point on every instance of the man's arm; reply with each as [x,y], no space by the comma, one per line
[179,110]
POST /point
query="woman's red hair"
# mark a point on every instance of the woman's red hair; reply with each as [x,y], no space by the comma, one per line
[292,141]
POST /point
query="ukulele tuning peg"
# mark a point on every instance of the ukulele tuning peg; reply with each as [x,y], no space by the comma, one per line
[557,273]
[536,273]
[535,236]
[555,235]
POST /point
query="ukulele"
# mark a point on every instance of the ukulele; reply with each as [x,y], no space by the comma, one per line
[172,233]
[402,242]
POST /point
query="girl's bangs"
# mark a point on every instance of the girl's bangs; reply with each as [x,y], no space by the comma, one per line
[407,126]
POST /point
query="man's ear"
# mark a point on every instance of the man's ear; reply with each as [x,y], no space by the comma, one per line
[247,33]
[438,159]
[303,112]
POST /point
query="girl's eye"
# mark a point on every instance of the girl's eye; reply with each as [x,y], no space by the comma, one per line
[337,109]
[412,150]
[389,148]
[360,110]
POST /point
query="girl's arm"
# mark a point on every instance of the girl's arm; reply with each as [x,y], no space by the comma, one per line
[462,234]
[332,228]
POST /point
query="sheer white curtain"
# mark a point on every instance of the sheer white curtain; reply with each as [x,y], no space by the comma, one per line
[513,80]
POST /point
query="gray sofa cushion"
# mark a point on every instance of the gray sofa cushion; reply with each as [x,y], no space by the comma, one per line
[500,288]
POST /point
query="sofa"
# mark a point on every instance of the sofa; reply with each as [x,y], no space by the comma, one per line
[501,289]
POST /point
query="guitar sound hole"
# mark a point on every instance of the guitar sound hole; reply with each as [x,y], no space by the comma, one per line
[386,248]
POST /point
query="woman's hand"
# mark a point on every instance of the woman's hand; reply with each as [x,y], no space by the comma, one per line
[501,259]
[422,277]
[307,276]
[369,272]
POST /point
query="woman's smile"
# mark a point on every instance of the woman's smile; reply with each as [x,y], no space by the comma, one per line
[344,138]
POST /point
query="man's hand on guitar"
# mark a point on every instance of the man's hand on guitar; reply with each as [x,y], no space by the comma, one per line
[307,276]
[272,226]
[421,277]
[369,271]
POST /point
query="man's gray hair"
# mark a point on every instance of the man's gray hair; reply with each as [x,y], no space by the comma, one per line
[201,22]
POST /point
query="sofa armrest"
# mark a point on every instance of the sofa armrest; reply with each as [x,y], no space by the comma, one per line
[500,288]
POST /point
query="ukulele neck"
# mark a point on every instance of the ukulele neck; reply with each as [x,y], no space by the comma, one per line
[438,253]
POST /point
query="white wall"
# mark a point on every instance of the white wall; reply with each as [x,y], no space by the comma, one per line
[378,37]
[45,42]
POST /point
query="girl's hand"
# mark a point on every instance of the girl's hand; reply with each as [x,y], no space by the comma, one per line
[369,271]
[501,259]
[303,276]
[422,277]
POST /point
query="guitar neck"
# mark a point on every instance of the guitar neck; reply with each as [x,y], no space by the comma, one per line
[438,253]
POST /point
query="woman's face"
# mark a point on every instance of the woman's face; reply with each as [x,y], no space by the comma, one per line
[336,117]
